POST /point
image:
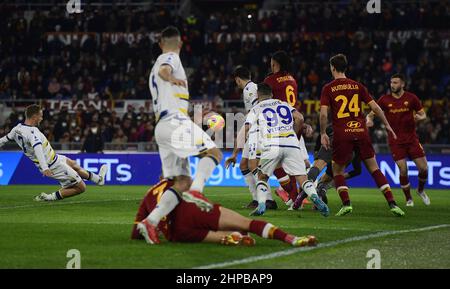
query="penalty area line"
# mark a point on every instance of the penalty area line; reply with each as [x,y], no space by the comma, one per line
[319,246]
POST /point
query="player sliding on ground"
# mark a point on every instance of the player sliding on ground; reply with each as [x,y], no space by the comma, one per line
[343,97]
[277,124]
[177,136]
[402,109]
[187,223]
[37,148]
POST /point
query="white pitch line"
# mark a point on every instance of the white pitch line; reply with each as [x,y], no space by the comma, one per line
[61,203]
[323,245]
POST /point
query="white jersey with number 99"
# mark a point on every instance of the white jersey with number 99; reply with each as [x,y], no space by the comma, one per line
[275,121]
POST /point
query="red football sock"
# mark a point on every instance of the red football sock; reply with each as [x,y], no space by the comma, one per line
[267,230]
[342,189]
[382,183]
[293,192]
[284,180]
[423,177]
[406,187]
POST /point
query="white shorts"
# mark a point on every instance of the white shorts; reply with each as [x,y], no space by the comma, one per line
[290,158]
[304,151]
[252,143]
[63,173]
[178,138]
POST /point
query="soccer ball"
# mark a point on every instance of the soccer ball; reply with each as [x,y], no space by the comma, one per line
[215,122]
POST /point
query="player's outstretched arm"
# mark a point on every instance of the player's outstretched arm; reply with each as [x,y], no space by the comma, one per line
[379,113]
[3,140]
[8,137]
[165,72]
[324,139]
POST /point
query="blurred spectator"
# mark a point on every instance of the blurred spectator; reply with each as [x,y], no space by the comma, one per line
[93,142]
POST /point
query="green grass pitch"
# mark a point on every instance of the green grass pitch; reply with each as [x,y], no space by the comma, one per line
[98,224]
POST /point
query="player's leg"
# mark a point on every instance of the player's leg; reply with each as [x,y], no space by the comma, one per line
[209,160]
[87,175]
[268,163]
[71,182]
[294,165]
[249,178]
[232,221]
[314,171]
[422,166]
[404,181]
[286,185]
[383,185]
[169,200]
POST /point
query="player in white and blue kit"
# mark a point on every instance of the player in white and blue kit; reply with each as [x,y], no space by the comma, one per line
[177,136]
[37,148]
[249,161]
[278,124]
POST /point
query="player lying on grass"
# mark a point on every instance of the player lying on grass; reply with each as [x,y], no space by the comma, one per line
[37,148]
[277,124]
[322,159]
[187,223]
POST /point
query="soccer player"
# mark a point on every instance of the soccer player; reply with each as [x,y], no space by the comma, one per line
[37,148]
[284,87]
[343,97]
[187,223]
[242,77]
[177,136]
[278,123]
[248,166]
[402,110]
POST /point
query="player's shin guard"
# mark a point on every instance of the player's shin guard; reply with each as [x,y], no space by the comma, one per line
[268,231]
[262,189]
[250,180]
[423,177]
[384,187]
[342,189]
[205,167]
[313,173]
[169,200]
[406,187]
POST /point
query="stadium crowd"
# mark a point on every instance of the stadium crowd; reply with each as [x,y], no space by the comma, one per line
[31,67]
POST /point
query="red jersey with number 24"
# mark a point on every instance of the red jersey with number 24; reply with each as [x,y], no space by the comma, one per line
[344,97]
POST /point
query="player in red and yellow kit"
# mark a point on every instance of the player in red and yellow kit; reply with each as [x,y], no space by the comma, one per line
[187,223]
[402,110]
[343,97]
[284,87]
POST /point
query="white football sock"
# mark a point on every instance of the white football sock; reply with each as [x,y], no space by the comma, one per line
[94,177]
[205,167]
[166,204]
[308,188]
[251,183]
[262,188]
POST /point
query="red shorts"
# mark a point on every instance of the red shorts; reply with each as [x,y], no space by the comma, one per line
[412,151]
[190,224]
[343,149]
